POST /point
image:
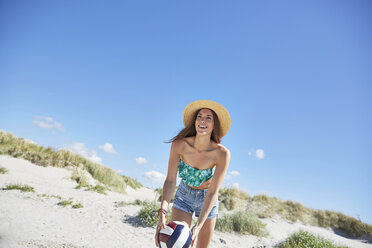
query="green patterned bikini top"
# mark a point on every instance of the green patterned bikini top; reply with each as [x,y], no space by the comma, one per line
[193,177]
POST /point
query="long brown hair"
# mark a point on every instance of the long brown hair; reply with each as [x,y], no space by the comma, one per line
[190,130]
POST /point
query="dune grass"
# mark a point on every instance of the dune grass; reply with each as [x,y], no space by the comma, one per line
[65,203]
[98,188]
[24,187]
[303,239]
[80,177]
[289,210]
[231,198]
[147,216]
[294,211]
[3,170]
[39,155]
[133,183]
[349,225]
[241,222]
[78,205]
[266,207]
[159,192]
[137,202]
[69,202]
[49,196]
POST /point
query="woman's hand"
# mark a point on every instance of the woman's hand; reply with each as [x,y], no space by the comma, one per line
[194,234]
[161,225]
[204,185]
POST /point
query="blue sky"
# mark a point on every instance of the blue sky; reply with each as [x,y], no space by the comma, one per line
[295,76]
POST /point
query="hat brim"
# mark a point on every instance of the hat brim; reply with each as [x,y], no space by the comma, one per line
[221,112]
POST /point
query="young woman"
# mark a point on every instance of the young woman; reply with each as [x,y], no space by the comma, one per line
[201,161]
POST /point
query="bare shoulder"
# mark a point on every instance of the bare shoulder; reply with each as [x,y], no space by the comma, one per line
[222,149]
[177,144]
[223,153]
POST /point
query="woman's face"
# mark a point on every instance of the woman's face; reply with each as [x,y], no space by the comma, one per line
[204,122]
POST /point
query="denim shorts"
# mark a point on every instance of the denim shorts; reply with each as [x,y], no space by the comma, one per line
[191,200]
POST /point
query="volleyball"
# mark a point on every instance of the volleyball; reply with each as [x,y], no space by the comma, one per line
[177,234]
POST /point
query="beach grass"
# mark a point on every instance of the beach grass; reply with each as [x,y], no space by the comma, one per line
[231,198]
[242,223]
[159,192]
[3,170]
[98,188]
[348,225]
[147,216]
[78,205]
[50,196]
[265,206]
[304,239]
[39,155]
[65,203]
[69,202]
[80,177]
[21,187]
[137,202]
[133,183]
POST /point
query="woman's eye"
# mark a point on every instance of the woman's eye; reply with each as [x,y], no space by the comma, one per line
[208,118]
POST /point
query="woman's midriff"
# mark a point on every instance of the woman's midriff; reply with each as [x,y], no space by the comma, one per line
[200,187]
[203,186]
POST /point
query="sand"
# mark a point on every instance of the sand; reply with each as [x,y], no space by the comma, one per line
[34,219]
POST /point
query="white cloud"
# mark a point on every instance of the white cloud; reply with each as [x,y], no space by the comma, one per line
[47,123]
[95,158]
[235,185]
[119,171]
[81,149]
[108,148]
[155,176]
[141,160]
[235,173]
[260,154]
[249,153]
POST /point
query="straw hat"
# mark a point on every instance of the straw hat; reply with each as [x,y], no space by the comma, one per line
[222,113]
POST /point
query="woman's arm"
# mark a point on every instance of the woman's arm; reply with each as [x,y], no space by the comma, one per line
[171,179]
[169,185]
[222,164]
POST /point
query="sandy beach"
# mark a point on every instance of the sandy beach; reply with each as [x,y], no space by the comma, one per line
[34,219]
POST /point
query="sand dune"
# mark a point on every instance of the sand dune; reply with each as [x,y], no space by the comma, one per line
[34,219]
